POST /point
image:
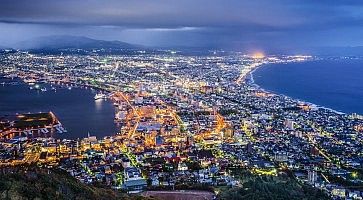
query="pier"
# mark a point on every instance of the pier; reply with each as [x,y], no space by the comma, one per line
[30,126]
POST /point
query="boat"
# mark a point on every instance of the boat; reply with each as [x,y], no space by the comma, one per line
[13,83]
[100,96]
[30,81]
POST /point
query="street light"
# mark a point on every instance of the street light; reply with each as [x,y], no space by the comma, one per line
[354,175]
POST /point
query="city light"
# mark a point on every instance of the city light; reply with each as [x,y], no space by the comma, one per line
[179,115]
[258,55]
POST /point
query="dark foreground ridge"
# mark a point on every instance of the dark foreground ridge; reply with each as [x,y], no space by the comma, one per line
[37,183]
[255,187]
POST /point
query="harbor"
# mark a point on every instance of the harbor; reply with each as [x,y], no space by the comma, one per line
[27,126]
[75,107]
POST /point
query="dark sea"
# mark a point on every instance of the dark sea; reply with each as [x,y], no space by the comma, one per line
[76,108]
[331,83]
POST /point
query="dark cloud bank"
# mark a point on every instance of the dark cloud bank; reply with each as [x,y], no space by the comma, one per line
[285,25]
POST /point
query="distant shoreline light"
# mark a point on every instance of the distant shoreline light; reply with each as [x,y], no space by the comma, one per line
[258,55]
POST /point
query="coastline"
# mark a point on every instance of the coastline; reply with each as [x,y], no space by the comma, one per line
[251,82]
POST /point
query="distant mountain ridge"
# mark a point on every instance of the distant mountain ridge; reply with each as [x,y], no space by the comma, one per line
[339,51]
[59,43]
[321,51]
[72,42]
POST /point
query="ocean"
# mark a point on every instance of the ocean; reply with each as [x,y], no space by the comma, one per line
[331,83]
[76,108]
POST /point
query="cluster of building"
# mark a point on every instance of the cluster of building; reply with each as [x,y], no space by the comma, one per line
[189,120]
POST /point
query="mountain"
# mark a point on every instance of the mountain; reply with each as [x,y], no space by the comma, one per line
[255,187]
[321,51]
[37,183]
[59,42]
[339,51]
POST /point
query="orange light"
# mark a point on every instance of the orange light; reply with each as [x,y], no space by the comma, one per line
[258,55]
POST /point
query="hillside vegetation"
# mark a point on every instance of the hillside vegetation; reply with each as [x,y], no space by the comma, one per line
[38,184]
[254,187]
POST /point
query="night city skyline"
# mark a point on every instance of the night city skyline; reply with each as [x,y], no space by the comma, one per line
[181,99]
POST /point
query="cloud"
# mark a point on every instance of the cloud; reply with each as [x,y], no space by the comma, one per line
[145,13]
[189,22]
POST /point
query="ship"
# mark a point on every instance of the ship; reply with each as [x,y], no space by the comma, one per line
[30,81]
[100,96]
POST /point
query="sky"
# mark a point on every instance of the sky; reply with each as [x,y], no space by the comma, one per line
[234,24]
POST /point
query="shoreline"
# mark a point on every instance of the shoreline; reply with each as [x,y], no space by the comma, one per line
[251,82]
